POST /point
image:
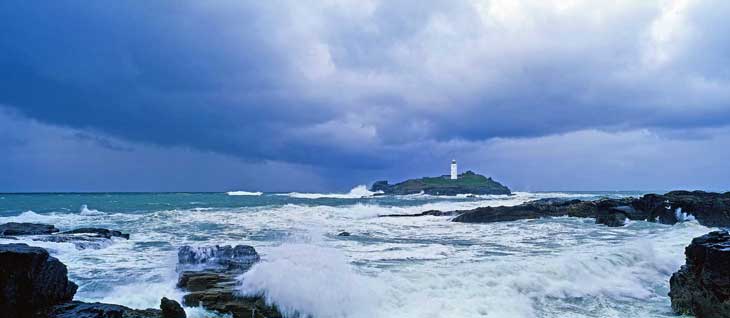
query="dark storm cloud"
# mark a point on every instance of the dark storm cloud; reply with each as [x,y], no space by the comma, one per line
[363,85]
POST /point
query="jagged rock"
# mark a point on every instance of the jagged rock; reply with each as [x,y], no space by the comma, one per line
[171,309]
[77,309]
[429,212]
[530,210]
[701,287]
[225,258]
[31,281]
[105,233]
[467,182]
[214,287]
[14,228]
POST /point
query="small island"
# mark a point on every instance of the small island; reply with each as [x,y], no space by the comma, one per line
[465,183]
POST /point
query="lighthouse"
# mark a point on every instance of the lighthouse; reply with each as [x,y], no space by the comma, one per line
[453,170]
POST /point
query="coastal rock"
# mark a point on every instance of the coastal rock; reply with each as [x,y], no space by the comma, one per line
[343,233]
[14,228]
[223,258]
[214,286]
[105,233]
[77,309]
[530,210]
[429,212]
[466,183]
[31,281]
[701,287]
[709,209]
[171,309]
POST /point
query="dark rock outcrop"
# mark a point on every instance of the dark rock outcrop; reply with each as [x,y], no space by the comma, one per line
[221,258]
[105,233]
[82,238]
[14,228]
[344,233]
[701,287]
[530,210]
[77,309]
[466,183]
[709,209]
[171,309]
[209,276]
[429,212]
[34,284]
[31,281]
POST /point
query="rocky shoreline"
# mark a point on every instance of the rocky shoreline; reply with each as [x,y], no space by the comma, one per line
[708,208]
[34,284]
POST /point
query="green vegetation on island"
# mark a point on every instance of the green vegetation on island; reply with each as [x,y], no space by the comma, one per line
[466,183]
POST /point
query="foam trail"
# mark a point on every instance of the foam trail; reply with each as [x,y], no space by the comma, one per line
[246,193]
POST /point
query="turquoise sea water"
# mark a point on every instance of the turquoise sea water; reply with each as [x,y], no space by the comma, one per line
[388,267]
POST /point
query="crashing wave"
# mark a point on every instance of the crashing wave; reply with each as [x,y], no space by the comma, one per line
[85,211]
[357,192]
[244,193]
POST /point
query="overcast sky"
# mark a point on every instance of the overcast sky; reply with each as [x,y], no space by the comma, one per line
[326,95]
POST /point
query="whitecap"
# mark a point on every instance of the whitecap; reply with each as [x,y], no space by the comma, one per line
[247,193]
[357,192]
[85,211]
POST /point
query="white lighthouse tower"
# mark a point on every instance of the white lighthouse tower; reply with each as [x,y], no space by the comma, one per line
[453,170]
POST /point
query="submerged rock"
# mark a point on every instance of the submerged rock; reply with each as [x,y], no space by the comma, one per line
[31,281]
[82,238]
[701,287]
[343,233]
[14,228]
[105,233]
[429,212]
[214,285]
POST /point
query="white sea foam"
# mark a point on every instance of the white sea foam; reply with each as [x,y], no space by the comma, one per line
[392,267]
[312,280]
[247,193]
[85,211]
[357,192]
[683,216]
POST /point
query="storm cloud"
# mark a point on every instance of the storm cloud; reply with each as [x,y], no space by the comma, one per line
[371,89]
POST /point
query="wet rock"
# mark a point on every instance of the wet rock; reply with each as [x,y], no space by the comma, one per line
[429,212]
[344,233]
[701,287]
[31,281]
[81,242]
[105,233]
[223,258]
[171,309]
[530,210]
[14,228]
[211,280]
[77,309]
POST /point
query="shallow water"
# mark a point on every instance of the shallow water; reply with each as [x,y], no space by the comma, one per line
[388,267]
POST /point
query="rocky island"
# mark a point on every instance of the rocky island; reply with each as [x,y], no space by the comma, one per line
[466,183]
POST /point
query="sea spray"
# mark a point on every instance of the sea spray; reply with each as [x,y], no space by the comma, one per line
[312,280]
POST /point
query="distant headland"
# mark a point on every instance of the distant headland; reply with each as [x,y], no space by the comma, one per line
[465,183]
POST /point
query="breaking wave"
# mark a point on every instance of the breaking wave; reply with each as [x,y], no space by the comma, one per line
[85,211]
[357,192]
[244,193]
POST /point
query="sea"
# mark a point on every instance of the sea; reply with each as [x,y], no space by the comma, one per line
[388,267]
